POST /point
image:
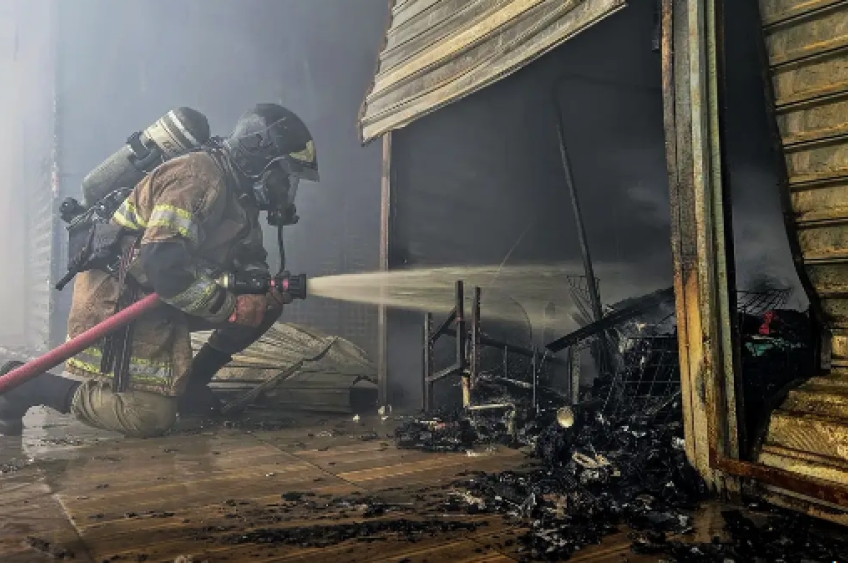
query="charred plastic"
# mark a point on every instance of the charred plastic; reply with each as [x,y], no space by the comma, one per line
[615,460]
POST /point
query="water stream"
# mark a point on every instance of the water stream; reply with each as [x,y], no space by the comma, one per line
[434,289]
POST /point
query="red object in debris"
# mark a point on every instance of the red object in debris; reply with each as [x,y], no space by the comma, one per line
[768,318]
[76,345]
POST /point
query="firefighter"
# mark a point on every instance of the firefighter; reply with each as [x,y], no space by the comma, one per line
[191,219]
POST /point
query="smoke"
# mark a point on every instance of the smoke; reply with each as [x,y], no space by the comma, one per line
[471,176]
[477,172]
[121,65]
[25,174]
[761,245]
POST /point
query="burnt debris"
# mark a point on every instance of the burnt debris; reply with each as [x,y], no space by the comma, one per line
[604,459]
[781,536]
[50,549]
[592,479]
[376,530]
[451,432]
[617,459]
[777,352]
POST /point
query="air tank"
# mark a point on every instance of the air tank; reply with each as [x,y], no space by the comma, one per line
[178,132]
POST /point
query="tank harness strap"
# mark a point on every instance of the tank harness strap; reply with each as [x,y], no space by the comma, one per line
[117,347]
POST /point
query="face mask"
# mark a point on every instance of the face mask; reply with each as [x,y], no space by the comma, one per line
[274,192]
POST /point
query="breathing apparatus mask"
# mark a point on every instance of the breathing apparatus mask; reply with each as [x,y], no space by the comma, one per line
[274,192]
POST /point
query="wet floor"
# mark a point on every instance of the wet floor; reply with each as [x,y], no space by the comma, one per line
[257,489]
[70,492]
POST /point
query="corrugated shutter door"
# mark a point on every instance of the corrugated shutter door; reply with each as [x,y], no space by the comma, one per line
[807,46]
[439,51]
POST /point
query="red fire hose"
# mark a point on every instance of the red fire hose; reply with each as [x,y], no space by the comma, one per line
[76,345]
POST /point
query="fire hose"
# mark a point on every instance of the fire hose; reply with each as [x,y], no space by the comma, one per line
[77,344]
[238,283]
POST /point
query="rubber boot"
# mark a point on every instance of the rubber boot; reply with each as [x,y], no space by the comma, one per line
[198,399]
[46,390]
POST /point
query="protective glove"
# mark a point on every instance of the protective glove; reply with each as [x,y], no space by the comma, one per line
[250,310]
[276,301]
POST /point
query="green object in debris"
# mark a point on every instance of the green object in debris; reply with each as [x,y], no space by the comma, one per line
[760,346]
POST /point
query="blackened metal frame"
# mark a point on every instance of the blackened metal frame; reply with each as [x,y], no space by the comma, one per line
[469,343]
[466,365]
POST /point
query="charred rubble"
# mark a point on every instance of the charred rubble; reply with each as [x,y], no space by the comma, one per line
[617,457]
[592,477]
[333,534]
[779,536]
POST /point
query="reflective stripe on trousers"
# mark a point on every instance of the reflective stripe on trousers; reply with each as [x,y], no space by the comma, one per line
[142,371]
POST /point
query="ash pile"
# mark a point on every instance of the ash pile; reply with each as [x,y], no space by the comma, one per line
[610,455]
[594,474]
[594,477]
[760,535]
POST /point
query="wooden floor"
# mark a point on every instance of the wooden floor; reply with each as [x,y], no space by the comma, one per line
[96,498]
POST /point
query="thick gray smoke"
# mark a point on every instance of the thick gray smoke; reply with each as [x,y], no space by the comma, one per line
[123,64]
[117,66]
[26,140]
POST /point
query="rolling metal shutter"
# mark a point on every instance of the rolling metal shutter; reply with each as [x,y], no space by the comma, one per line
[439,51]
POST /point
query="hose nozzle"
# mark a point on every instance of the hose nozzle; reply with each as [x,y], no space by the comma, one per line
[293,284]
[257,283]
